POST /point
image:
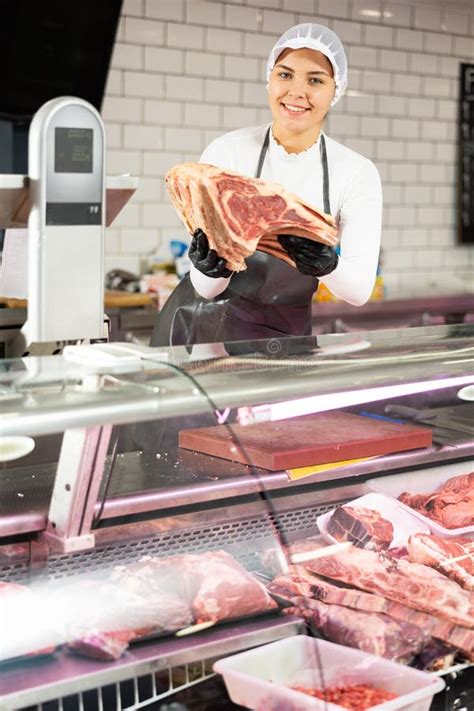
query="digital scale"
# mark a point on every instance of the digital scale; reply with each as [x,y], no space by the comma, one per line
[66,166]
[66,201]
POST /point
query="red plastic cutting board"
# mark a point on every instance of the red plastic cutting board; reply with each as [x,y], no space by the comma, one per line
[302,441]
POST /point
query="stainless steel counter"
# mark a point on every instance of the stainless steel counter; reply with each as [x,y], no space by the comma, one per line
[63,674]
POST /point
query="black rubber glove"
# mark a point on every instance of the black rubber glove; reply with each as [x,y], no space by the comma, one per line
[206,260]
[312,258]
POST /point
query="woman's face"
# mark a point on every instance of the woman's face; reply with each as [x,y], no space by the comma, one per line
[301,89]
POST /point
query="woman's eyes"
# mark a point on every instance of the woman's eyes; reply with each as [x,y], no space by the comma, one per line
[287,75]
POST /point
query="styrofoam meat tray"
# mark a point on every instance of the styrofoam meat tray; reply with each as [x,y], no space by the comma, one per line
[260,678]
[423,481]
[403,521]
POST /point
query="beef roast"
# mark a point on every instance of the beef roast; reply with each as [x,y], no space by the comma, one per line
[224,589]
[414,585]
[452,505]
[452,556]
[363,527]
[212,584]
[241,214]
[370,632]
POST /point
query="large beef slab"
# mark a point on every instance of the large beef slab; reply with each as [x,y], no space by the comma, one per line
[241,214]
[412,584]
[370,632]
[301,583]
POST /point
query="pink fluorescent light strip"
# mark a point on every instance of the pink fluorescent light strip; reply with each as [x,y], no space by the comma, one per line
[321,403]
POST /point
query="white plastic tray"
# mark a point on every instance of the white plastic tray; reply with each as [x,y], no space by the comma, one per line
[403,522]
[260,678]
[424,481]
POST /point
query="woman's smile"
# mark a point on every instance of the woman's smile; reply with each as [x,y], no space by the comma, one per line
[294,109]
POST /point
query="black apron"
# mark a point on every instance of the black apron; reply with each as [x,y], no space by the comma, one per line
[270,299]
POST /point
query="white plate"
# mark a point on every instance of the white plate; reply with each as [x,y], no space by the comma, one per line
[15,447]
[423,481]
[403,522]
[466,393]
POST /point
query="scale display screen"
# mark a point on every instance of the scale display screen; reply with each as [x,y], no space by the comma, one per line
[73,150]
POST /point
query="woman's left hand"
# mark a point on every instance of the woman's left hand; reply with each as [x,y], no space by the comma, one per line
[312,258]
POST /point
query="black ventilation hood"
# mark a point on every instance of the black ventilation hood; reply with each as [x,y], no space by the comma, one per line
[54,48]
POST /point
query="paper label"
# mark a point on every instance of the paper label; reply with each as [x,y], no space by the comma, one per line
[14,269]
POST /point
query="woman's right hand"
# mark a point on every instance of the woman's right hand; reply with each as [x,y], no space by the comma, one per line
[206,260]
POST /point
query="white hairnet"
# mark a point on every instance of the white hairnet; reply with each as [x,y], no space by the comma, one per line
[314,37]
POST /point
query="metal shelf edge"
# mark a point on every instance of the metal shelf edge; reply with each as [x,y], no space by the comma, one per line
[50,679]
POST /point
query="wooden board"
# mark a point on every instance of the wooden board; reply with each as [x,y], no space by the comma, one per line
[112,300]
[303,441]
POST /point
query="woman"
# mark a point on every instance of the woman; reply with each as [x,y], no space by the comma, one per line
[307,74]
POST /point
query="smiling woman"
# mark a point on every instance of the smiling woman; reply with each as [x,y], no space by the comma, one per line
[301,91]
[306,75]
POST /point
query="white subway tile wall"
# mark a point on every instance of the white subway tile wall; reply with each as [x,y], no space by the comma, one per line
[186,71]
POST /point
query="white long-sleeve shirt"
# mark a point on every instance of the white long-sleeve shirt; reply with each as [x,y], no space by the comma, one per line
[355,197]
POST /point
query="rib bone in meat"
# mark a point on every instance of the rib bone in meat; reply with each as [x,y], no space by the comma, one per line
[300,582]
[241,214]
[452,556]
[412,584]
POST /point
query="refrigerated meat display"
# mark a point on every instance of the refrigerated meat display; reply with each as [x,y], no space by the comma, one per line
[128,564]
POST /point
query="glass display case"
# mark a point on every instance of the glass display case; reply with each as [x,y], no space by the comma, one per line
[161,509]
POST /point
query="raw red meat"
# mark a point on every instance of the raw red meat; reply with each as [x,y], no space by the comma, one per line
[452,505]
[452,556]
[458,484]
[414,585]
[303,583]
[369,631]
[355,697]
[363,527]
[213,584]
[224,589]
[107,646]
[241,214]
